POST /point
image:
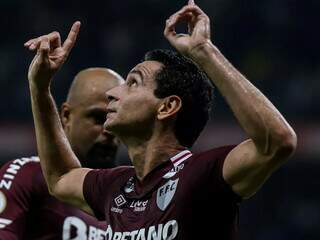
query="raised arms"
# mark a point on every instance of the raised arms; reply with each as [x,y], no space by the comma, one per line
[272,140]
[61,168]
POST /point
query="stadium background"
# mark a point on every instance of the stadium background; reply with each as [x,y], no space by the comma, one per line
[275,43]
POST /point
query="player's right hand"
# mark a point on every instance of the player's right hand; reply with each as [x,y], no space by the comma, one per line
[198,29]
[51,55]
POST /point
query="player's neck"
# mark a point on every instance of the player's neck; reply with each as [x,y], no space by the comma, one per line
[147,155]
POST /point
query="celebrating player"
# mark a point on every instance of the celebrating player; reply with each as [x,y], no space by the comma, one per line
[27,210]
[158,114]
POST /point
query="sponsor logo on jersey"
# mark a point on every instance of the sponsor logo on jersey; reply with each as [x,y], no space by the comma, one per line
[3,202]
[165,193]
[116,210]
[165,231]
[139,206]
[83,231]
[120,200]
[12,171]
[178,163]
[4,222]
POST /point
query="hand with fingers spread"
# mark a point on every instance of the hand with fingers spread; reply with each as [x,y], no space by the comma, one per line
[51,54]
[198,29]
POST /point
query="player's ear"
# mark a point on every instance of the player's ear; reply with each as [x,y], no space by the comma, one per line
[169,107]
[65,115]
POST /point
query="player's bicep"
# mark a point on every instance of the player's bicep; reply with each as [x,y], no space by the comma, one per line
[69,188]
[245,169]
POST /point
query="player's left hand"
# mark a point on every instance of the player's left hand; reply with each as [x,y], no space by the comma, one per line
[51,54]
[198,29]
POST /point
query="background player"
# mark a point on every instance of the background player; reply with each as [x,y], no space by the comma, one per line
[27,209]
[160,198]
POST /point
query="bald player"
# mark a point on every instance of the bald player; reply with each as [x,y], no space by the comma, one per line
[27,211]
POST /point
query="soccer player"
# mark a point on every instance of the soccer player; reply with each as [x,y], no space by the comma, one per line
[27,210]
[170,193]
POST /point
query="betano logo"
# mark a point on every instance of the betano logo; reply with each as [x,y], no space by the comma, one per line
[167,231]
[74,225]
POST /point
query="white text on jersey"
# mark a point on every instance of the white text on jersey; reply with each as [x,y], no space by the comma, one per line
[12,171]
[167,231]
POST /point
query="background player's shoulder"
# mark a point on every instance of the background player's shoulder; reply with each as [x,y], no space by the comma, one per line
[19,171]
[22,164]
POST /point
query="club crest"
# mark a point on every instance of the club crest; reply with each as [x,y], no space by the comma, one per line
[165,193]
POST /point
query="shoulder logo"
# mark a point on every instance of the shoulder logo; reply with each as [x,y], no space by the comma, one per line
[178,163]
[165,193]
[173,171]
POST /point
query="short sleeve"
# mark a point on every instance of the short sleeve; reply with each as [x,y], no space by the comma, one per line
[99,185]
[214,165]
[16,193]
[93,192]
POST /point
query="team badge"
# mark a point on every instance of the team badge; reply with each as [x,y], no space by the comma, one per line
[165,193]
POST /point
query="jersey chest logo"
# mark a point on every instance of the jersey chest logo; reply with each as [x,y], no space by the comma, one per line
[165,193]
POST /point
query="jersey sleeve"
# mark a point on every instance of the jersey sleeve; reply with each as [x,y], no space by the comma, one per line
[98,186]
[93,193]
[213,163]
[16,192]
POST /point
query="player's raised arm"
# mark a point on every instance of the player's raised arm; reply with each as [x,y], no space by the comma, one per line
[272,140]
[61,168]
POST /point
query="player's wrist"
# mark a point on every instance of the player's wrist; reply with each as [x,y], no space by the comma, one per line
[202,52]
[37,88]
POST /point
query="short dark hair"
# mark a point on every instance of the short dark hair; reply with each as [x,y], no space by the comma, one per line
[182,77]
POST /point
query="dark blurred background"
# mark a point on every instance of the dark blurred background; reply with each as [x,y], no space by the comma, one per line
[275,43]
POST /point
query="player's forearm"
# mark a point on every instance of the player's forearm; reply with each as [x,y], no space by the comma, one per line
[256,114]
[54,150]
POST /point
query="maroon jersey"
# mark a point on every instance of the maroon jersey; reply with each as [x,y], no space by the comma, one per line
[185,198]
[27,211]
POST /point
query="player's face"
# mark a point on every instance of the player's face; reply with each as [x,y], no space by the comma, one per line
[133,105]
[92,144]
